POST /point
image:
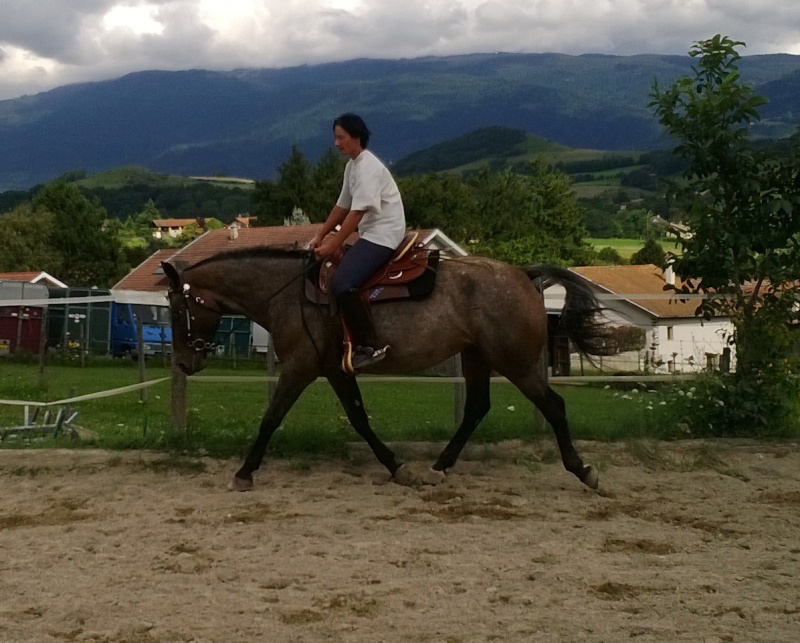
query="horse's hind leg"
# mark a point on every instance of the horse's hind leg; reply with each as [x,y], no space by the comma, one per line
[349,395]
[476,376]
[551,404]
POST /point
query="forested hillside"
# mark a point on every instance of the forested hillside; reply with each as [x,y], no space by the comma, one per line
[245,122]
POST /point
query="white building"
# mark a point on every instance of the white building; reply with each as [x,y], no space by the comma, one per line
[676,340]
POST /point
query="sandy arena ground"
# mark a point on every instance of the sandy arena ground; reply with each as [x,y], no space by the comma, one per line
[683,542]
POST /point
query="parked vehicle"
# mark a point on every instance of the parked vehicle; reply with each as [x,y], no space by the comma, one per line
[156,330]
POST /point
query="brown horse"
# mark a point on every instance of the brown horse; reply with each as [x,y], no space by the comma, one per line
[490,312]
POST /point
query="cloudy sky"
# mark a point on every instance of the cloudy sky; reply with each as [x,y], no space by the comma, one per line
[47,43]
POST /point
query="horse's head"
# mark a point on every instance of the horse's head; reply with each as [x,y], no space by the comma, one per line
[195,319]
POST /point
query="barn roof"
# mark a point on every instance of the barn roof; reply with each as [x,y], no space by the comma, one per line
[630,281]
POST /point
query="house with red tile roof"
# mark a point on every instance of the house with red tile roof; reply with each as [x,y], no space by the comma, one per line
[33,277]
[171,228]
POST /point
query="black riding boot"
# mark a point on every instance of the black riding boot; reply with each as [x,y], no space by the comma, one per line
[367,350]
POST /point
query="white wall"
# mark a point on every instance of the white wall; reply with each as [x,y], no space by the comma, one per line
[690,337]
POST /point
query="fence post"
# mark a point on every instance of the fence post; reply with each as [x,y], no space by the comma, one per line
[140,358]
[82,342]
[42,345]
[163,345]
[177,397]
[544,361]
[271,358]
[460,390]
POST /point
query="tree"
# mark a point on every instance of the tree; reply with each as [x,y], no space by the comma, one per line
[26,235]
[650,252]
[274,201]
[189,233]
[516,218]
[90,255]
[529,219]
[441,201]
[326,179]
[743,248]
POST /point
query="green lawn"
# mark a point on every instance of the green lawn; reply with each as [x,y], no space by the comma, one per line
[627,247]
[223,418]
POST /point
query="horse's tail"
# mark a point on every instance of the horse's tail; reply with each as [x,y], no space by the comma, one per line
[580,317]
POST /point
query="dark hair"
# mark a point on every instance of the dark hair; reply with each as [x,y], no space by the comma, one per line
[354,125]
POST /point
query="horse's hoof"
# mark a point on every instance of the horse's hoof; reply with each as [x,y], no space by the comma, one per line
[241,484]
[433,477]
[590,477]
[405,476]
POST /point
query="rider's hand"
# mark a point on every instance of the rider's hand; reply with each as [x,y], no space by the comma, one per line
[326,249]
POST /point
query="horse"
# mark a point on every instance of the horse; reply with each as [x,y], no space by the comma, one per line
[490,312]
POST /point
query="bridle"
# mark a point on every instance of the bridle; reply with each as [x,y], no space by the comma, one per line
[198,344]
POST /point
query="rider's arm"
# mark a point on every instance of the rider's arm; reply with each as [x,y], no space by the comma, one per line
[336,217]
[330,245]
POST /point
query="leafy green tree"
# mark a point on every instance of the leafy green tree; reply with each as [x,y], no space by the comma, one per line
[90,255]
[516,218]
[148,214]
[528,219]
[650,252]
[326,179]
[273,201]
[743,249]
[609,255]
[189,233]
[26,234]
[441,201]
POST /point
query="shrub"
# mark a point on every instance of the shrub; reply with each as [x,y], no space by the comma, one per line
[753,404]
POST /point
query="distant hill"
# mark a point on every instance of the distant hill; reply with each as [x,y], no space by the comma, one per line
[244,123]
[124,191]
[502,147]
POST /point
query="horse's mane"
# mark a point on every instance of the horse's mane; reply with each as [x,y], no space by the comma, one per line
[259,252]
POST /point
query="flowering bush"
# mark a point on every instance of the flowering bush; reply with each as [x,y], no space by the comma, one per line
[762,404]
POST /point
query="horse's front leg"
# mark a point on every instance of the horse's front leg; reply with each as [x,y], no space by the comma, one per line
[290,386]
[477,374]
[349,395]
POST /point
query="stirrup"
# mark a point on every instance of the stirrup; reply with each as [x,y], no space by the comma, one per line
[364,356]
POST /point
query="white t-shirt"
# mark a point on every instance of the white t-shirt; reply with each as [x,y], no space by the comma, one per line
[368,185]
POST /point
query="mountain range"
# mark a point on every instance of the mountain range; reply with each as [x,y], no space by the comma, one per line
[245,122]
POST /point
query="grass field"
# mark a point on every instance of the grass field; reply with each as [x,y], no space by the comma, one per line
[627,247]
[223,418]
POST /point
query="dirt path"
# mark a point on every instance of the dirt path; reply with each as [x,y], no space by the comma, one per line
[684,542]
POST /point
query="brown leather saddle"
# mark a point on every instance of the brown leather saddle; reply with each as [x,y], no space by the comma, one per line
[409,274]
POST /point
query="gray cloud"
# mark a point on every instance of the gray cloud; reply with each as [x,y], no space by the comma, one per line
[48,43]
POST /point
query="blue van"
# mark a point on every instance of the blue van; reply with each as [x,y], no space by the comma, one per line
[156,330]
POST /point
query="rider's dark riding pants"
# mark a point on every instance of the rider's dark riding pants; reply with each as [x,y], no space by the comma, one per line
[359,263]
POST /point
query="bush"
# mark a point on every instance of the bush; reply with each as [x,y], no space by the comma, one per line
[754,404]
[651,252]
[610,256]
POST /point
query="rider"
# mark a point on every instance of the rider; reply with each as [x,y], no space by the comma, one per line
[370,203]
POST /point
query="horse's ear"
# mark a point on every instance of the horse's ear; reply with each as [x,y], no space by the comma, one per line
[172,274]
